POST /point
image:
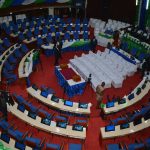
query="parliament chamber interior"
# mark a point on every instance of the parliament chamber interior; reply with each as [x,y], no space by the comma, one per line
[74,74]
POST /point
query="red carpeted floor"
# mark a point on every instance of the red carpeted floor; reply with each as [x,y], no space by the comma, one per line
[44,75]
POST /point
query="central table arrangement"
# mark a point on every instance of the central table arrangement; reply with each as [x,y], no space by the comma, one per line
[70,80]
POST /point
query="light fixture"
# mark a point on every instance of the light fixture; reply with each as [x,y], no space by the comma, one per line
[10,13]
[136,2]
[147,4]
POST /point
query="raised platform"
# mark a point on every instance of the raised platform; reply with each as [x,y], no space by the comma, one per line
[65,79]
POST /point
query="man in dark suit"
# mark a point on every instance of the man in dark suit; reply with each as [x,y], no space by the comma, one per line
[60,45]
[93,44]
[57,54]
[3,105]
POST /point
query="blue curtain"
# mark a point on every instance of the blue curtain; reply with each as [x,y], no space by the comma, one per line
[143,14]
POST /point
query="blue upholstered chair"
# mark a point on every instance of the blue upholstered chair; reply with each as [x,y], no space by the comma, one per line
[77,28]
[69,20]
[85,28]
[35,143]
[17,53]
[52,29]
[21,36]
[76,35]
[39,41]
[114,147]
[2,49]
[61,29]
[67,36]
[136,146]
[77,21]
[147,143]
[36,32]
[6,42]
[133,51]
[18,21]
[57,35]
[12,60]
[24,48]
[49,38]
[85,36]
[44,30]
[29,35]
[8,30]
[3,25]
[50,146]
[23,26]
[69,28]
[8,66]
[75,146]
[85,21]
[141,56]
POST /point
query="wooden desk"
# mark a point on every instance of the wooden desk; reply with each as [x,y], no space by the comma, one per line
[122,132]
[52,128]
[21,71]
[59,105]
[128,103]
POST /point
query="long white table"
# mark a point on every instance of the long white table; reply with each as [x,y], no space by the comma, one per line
[128,103]
[23,71]
[60,105]
[52,128]
[122,132]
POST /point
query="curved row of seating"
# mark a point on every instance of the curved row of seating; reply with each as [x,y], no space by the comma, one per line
[135,96]
[9,60]
[51,29]
[16,139]
[58,103]
[4,57]
[139,34]
[47,122]
[135,47]
[131,123]
[39,22]
[4,45]
[141,145]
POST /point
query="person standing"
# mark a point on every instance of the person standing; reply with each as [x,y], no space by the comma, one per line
[93,44]
[60,45]
[3,105]
[57,54]
[100,94]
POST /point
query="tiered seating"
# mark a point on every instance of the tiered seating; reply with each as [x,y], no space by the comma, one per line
[53,101]
[4,58]
[129,124]
[41,119]
[10,59]
[141,145]
[135,96]
[106,66]
[133,45]
[41,26]
[15,139]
